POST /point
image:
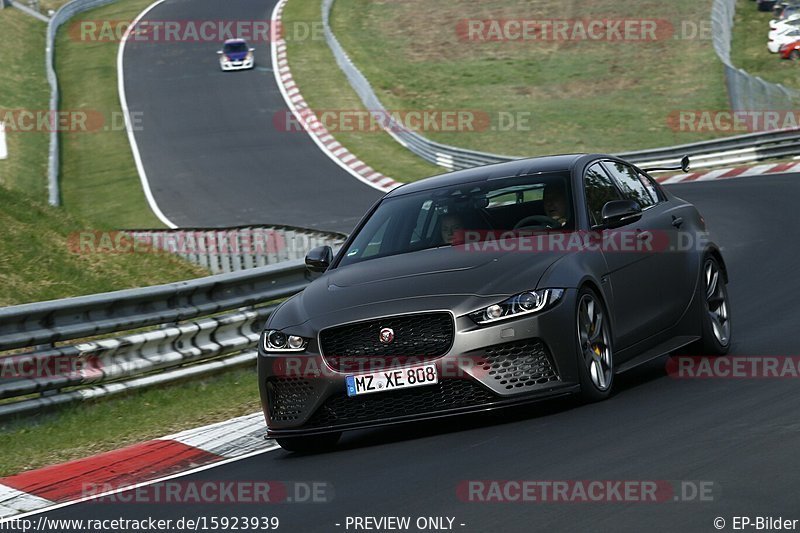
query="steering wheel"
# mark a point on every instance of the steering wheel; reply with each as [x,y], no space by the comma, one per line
[537,220]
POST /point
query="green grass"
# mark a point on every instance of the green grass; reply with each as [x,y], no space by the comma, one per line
[38,262]
[23,86]
[45,5]
[749,48]
[580,96]
[99,181]
[86,429]
[324,87]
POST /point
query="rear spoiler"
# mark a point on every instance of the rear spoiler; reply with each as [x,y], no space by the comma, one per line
[684,166]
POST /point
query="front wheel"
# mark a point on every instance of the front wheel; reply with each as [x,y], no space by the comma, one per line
[310,444]
[716,321]
[595,354]
[795,55]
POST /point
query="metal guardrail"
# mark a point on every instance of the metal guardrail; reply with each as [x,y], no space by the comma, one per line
[61,16]
[189,342]
[25,9]
[730,150]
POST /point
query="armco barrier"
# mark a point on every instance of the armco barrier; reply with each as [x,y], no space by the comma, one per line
[202,326]
[61,16]
[730,150]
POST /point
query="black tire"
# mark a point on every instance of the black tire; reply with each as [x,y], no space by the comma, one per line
[794,55]
[716,322]
[311,444]
[592,346]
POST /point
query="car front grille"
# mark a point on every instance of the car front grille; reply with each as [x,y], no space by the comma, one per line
[357,347]
[445,395]
[519,366]
[288,398]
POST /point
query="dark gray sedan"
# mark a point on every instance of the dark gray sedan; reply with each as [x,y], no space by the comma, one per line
[490,287]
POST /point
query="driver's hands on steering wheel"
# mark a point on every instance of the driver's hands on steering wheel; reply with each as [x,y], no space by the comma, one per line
[538,221]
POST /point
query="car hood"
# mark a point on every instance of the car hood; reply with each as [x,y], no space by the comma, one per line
[236,56]
[441,278]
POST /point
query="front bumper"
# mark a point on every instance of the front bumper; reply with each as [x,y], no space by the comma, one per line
[244,64]
[511,362]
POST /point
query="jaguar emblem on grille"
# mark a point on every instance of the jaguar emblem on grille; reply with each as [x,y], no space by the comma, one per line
[386,335]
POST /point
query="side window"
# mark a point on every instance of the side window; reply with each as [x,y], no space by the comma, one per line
[424,225]
[599,190]
[373,247]
[629,182]
[651,188]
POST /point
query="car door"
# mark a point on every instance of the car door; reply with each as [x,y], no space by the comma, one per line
[635,293]
[664,253]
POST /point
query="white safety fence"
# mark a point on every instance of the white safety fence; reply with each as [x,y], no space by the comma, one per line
[3,145]
[231,249]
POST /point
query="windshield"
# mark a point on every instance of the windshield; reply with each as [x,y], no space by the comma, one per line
[234,48]
[473,211]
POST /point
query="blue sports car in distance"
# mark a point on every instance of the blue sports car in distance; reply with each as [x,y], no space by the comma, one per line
[235,55]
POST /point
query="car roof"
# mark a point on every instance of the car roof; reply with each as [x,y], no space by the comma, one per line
[233,41]
[517,167]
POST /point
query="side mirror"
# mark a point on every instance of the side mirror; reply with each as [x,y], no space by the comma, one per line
[319,259]
[219,52]
[252,49]
[620,212]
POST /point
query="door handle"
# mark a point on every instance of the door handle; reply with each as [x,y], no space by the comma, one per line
[643,235]
[677,221]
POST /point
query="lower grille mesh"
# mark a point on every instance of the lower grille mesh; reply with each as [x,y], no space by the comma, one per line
[520,365]
[288,397]
[450,394]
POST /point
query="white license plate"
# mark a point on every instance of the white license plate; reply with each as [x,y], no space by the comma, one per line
[392,379]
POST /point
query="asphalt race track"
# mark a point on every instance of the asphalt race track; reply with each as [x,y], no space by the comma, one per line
[208,144]
[742,435]
[214,158]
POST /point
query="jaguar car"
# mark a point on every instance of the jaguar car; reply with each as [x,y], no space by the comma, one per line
[490,287]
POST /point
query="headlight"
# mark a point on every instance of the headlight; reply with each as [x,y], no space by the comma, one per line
[520,304]
[278,341]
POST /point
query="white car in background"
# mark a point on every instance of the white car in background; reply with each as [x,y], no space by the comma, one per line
[793,13]
[790,36]
[784,27]
[236,55]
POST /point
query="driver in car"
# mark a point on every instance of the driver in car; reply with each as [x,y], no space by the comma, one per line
[555,203]
[452,227]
